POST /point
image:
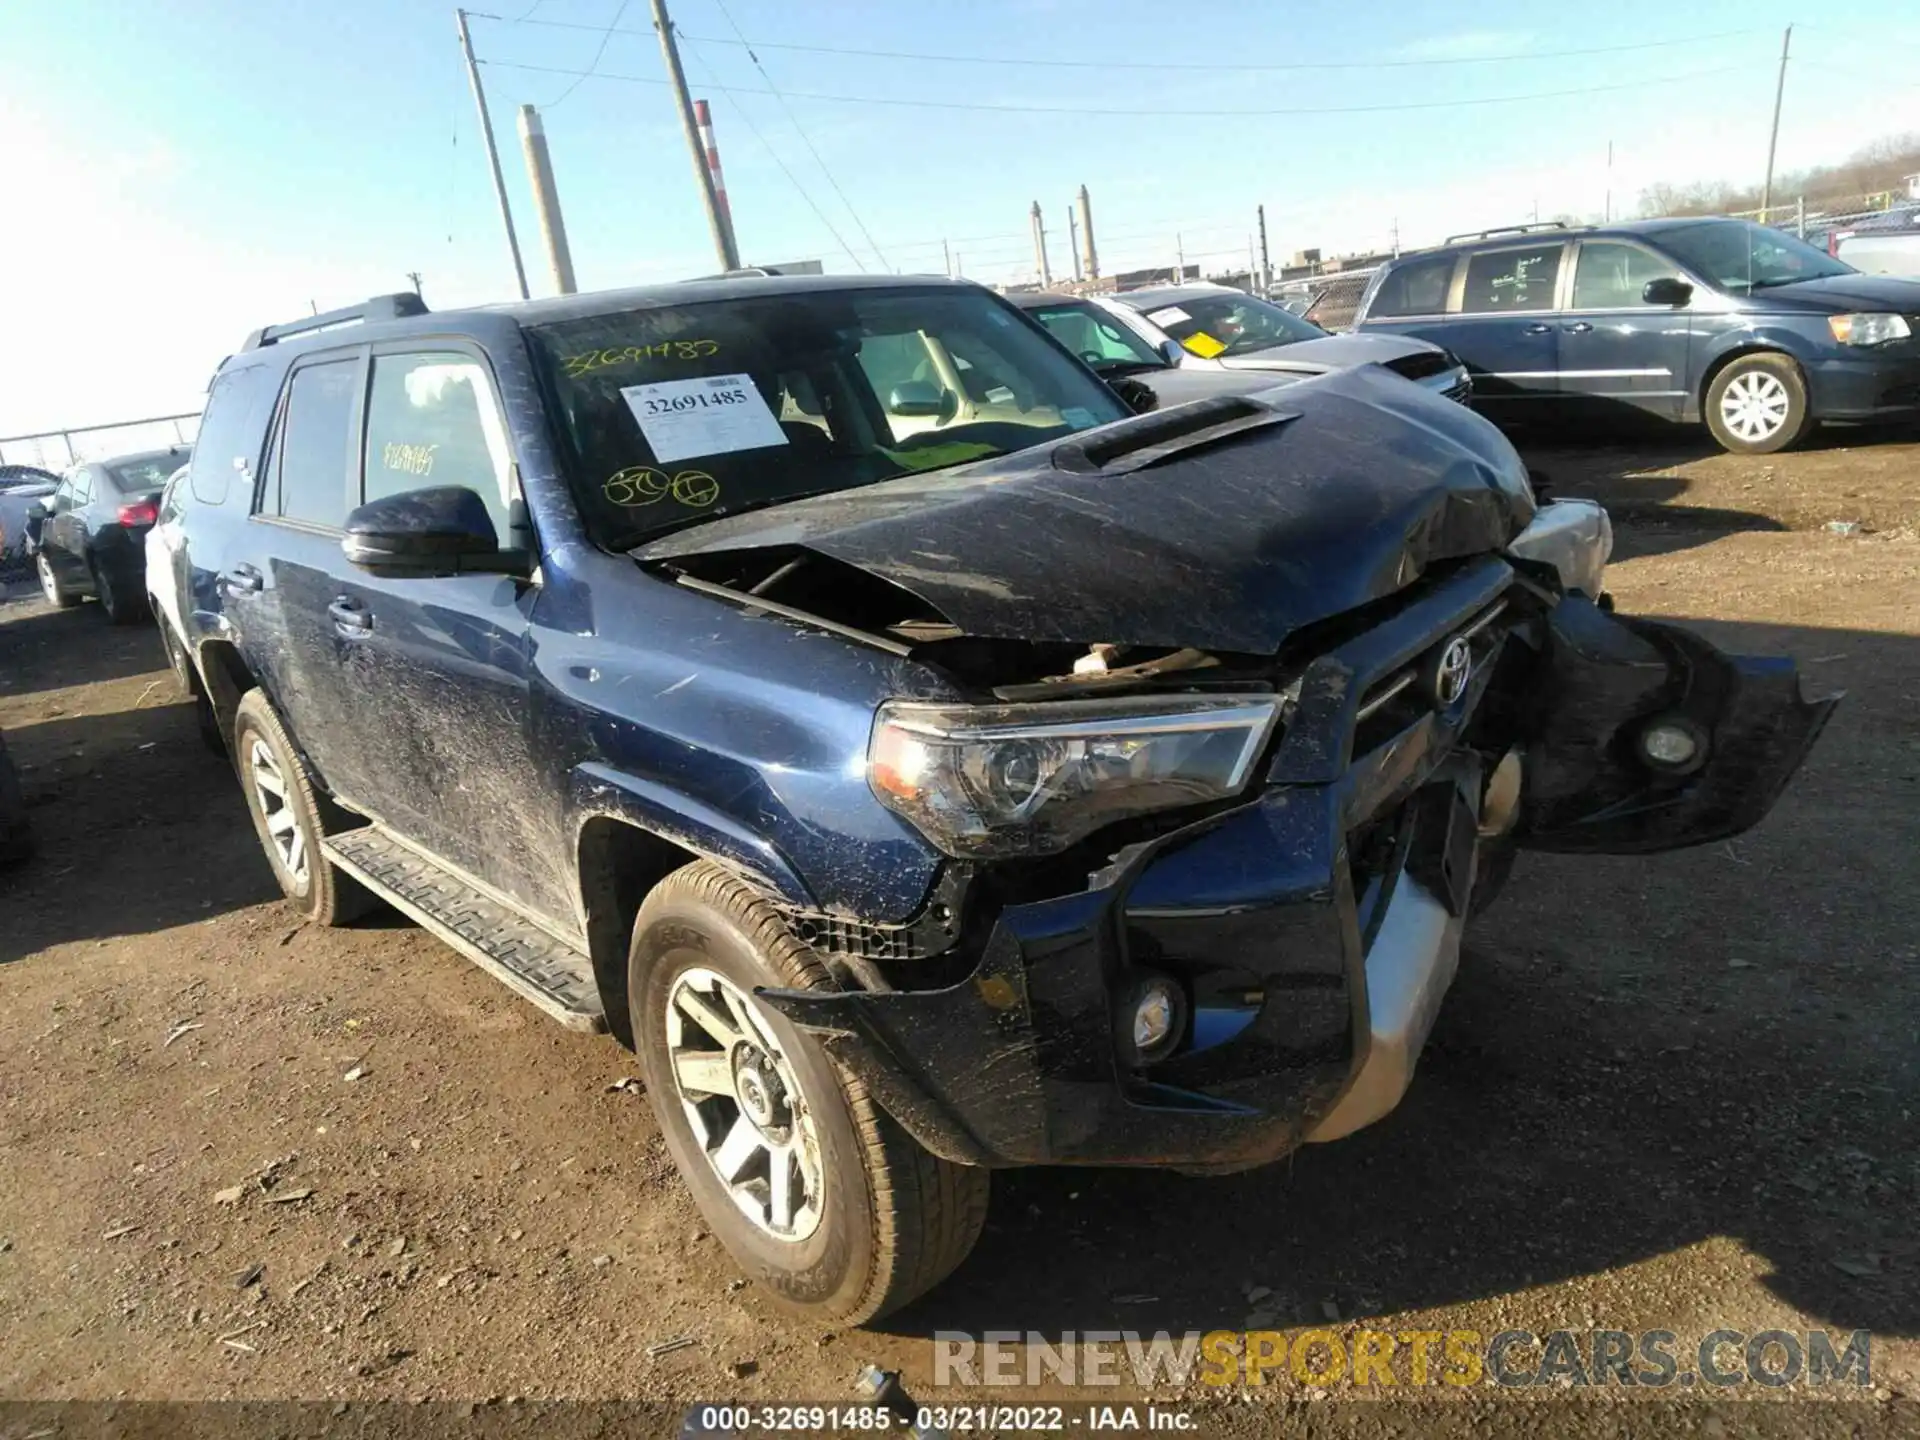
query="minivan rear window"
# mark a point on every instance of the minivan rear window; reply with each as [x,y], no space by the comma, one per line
[1418,287]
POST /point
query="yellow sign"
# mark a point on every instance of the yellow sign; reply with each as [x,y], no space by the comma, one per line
[1203,345]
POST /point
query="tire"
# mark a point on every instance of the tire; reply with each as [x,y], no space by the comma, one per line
[51,587]
[1757,405]
[890,1220]
[122,605]
[321,894]
[204,715]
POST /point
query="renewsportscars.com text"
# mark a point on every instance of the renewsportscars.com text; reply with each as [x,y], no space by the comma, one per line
[1328,1359]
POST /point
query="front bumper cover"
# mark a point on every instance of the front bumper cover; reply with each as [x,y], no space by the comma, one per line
[1333,901]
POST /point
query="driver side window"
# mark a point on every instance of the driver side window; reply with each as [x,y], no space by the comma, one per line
[432,420]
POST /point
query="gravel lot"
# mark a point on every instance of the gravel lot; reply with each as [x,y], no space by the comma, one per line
[1672,1093]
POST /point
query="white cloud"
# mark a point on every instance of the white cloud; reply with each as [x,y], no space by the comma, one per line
[1466,45]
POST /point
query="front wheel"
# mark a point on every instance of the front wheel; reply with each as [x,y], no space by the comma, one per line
[1758,404]
[50,586]
[814,1190]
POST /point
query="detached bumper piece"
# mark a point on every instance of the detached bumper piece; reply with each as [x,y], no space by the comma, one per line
[1312,934]
[1647,738]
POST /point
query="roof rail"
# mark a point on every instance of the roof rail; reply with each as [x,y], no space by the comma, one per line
[1507,230]
[398,306]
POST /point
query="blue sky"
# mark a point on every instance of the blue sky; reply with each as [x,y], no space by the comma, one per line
[177,174]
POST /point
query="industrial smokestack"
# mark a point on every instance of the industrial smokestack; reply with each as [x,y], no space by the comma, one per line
[1090,258]
[546,199]
[703,117]
[1040,246]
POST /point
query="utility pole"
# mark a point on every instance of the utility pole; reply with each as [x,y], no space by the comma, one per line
[703,117]
[493,152]
[1073,243]
[1396,237]
[1040,246]
[1266,265]
[670,52]
[414,277]
[1179,260]
[1606,214]
[1773,139]
[1092,256]
[946,254]
[546,199]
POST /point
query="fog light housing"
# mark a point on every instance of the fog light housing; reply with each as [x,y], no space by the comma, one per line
[1153,1017]
[1673,744]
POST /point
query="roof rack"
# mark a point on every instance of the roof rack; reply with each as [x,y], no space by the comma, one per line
[399,306]
[1507,230]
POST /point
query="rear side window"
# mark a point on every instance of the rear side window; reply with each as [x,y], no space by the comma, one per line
[310,463]
[432,420]
[238,407]
[1610,276]
[1519,279]
[1418,287]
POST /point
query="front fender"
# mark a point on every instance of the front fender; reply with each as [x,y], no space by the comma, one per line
[601,790]
[1601,681]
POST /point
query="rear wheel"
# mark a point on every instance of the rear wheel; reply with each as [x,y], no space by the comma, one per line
[50,583]
[814,1190]
[290,817]
[123,604]
[1758,404]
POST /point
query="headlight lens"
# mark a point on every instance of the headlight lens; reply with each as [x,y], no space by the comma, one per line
[1868,329]
[983,781]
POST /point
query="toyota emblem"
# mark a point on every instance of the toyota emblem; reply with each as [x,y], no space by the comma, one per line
[1451,673]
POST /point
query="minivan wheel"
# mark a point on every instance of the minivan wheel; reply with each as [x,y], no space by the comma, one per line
[290,818]
[813,1189]
[50,586]
[1758,404]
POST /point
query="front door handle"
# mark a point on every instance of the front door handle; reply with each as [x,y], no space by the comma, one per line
[242,580]
[1539,329]
[1579,327]
[350,618]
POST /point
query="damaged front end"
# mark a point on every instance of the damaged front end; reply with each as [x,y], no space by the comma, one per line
[1209,863]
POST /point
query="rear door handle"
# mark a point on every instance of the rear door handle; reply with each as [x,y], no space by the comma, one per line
[1579,327]
[350,618]
[241,580]
[1538,329]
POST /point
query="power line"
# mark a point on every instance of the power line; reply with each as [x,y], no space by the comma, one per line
[754,130]
[1132,111]
[1214,66]
[885,264]
[595,65]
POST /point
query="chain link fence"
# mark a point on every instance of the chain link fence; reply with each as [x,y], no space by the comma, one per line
[57,449]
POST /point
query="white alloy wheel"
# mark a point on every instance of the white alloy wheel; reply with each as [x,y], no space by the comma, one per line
[1755,405]
[283,823]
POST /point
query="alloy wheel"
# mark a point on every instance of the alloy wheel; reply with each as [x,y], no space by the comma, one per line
[1754,406]
[49,582]
[283,824]
[742,1097]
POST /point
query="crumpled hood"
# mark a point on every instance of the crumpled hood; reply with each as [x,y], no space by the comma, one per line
[1345,489]
[1332,352]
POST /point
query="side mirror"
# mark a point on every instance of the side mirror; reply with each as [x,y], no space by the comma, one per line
[920,397]
[40,509]
[442,530]
[1134,394]
[1172,351]
[1667,290]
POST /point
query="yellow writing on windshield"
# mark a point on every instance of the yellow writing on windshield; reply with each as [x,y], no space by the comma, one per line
[579,366]
[408,459]
[1203,345]
[639,485]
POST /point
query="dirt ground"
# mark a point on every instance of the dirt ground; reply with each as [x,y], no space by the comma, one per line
[245,1158]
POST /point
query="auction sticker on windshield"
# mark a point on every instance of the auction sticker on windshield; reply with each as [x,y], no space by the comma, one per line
[711,415]
[1172,315]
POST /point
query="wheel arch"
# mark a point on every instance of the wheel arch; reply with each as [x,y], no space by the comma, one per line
[619,865]
[226,678]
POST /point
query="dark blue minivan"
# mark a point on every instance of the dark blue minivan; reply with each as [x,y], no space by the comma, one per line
[1757,333]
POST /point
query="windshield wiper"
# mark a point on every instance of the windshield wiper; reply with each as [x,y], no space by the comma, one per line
[647,537]
[1768,284]
[1129,367]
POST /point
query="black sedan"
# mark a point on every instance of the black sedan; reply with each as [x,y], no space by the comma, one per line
[93,538]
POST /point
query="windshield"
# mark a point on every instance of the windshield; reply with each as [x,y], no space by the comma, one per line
[1106,343]
[143,472]
[683,413]
[1230,323]
[1740,256]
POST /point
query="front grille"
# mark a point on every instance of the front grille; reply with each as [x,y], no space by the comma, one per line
[1397,700]
[843,935]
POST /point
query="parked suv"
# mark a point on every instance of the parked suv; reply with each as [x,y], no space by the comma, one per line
[1759,334]
[1064,787]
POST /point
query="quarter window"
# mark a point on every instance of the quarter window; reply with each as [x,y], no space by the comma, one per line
[1610,276]
[312,453]
[1418,287]
[1507,280]
[228,445]
[431,421]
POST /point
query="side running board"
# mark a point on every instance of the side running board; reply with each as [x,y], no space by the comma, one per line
[529,960]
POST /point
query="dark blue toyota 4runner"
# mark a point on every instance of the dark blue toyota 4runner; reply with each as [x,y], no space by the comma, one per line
[828,687]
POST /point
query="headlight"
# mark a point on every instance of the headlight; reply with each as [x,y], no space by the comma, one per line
[984,781]
[1868,329]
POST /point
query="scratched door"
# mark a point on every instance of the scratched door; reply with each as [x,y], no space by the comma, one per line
[439,667]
